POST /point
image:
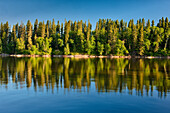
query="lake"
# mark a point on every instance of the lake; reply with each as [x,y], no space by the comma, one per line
[51,85]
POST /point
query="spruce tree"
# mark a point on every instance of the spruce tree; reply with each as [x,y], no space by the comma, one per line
[66,32]
[141,41]
[166,23]
[163,22]
[29,35]
[53,27]
[58,27]
[35,27]
[62,30]
[135,36]
[47,29]
[41,29]
[13,40]
[153,23]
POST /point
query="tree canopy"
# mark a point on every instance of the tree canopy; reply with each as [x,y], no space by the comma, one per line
[109,37]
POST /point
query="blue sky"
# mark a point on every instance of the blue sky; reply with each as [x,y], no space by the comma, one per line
[21,10]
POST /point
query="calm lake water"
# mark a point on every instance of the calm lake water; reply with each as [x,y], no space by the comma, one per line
[54,85]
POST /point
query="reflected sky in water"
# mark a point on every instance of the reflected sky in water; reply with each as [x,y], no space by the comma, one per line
[84,85]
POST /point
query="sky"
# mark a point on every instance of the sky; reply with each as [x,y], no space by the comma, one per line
[15,11]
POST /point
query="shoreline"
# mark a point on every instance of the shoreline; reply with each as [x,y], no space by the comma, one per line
[82,56]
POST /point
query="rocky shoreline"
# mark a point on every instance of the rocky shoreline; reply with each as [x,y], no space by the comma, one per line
[82,56]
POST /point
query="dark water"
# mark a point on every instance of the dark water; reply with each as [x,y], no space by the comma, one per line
[47,85]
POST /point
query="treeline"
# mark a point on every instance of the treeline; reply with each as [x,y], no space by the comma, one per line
[109,38]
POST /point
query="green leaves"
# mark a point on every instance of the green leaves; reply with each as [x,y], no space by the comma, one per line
[120,49]
[67,49]
[100,48]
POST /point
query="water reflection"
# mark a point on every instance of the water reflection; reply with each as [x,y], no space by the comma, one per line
[109,75]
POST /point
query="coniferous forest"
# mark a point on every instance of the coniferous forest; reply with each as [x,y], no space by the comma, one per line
[109,37]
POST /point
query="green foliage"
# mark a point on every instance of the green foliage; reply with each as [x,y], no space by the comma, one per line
[67,49]
[108,49]
[88,47]
[0,46]
[60,42]
[109,37]
[100,48]
[4,42]
[44,45]
[120,49]
[147,44]
[141,42]
[20,45]
[34,50]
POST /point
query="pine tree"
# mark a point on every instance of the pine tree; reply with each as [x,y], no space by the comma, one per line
[160,23]
[138,24]
[47,29]
[2,29]
[135,36]
[50,29]
[62,30]
[58,27]
[66,32]
[96,36]
[88,31]
[75,26]
[4,42]
[29,35]
[153,23]
[148,24]
[85,29]
[163,22]
[141,42]
[129,35]
[13,40]
[143,22]
[41,29]
[53,27]
[117,24]
[88,43]
[166,23]
[35,27]
[100,25]
[80,36]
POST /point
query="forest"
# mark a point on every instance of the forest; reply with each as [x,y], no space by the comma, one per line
[109,37]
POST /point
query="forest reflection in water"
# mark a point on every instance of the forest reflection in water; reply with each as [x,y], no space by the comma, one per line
[108,75]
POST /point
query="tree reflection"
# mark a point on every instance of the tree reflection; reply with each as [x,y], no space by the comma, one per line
[135,76]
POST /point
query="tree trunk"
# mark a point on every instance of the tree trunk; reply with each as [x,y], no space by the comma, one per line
[166,43]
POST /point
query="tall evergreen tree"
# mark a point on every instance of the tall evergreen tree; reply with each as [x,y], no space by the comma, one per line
[163,22]
[135,36]
[47,29]
[58,27]
[29,35]
[13,40]
[41,29]
[53,27]
[141,41]
[153,23]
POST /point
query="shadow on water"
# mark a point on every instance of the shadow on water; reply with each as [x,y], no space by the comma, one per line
[134,76]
